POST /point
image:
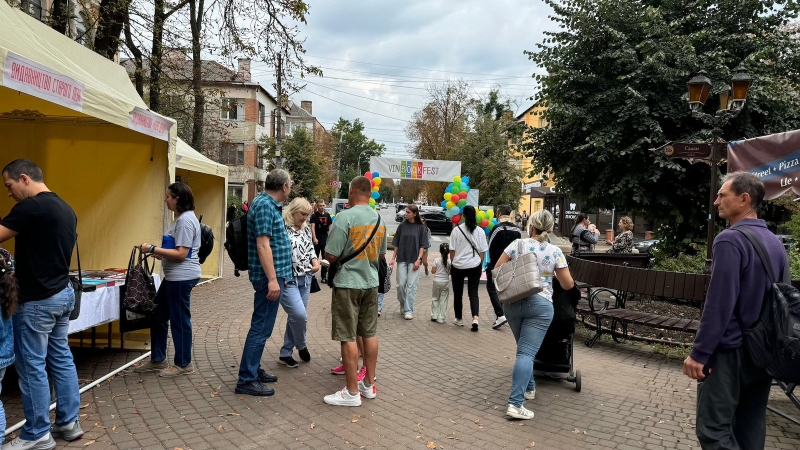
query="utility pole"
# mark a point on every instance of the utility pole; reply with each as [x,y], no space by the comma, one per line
[278,128]
[339,163]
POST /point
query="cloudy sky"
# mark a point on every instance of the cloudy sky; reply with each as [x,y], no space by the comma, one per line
[378,56]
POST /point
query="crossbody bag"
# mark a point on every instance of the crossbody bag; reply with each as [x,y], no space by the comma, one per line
[336,266]
[475,250]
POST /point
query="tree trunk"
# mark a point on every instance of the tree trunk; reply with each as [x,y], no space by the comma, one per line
[156,55]
[59,15]
[196,22]
[111,18]
[138,73]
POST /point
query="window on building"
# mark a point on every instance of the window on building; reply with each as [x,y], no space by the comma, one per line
[235,190]
[262,114]
[32,8]
[542,122]
[231,154]
[232,109]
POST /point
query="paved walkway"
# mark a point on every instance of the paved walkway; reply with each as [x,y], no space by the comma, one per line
[439,386]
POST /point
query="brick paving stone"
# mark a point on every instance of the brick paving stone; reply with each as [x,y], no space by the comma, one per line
[436,382]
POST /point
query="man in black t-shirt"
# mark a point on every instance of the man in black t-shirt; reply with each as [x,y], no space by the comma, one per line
[44,230]
[501,236]
[321,222]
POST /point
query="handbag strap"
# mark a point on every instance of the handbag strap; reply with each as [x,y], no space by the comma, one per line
[357,252]
[475,250]
[78,253]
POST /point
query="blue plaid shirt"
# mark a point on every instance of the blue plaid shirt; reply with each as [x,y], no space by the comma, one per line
[264,218]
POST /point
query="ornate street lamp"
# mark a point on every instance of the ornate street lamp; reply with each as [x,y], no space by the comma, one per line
[731,102]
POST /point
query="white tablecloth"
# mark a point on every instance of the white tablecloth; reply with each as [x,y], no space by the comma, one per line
[100,307]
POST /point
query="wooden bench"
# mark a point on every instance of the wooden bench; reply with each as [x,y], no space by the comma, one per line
[622,281]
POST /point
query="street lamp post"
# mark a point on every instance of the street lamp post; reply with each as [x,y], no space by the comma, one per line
[732,101]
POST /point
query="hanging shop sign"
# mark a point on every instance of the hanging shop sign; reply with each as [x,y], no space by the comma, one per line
[24,75]
[775,159]
[149,123]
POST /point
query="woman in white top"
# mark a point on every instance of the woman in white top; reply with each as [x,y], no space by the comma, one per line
[530,317]
[467,249]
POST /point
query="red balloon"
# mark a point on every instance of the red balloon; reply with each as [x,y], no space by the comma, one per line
[484,223]
[368,175]
[463,195]
[456,219]
[373,183]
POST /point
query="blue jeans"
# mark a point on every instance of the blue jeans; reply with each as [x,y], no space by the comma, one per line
[380,301]
[407,281]
[261,325]
[294,300]
[174,311]
[529,320]
[2,411]
[40,338]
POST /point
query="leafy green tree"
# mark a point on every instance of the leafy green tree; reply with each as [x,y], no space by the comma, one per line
[353,143]
[302,161]
[485,155]
[616,87]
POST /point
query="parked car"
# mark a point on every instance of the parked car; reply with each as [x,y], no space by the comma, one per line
[647,246]
[787,240]
[401,215]
[437,222]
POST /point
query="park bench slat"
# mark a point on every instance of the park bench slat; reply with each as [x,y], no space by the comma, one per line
[669,323]
[635,315]
[613,313]
[641,283]
[631,278]
[621,279]
[612,277]
[602,280]
[657,321]
[680,281]
[648,318]
[650,284]
[658,288]
[583,305]
[681,324]
[699,288]
[692,327]
[669,284]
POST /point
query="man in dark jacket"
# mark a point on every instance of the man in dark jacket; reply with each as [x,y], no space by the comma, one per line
[732,392]
[503,234]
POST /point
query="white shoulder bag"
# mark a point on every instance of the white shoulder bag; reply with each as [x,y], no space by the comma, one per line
[519,278]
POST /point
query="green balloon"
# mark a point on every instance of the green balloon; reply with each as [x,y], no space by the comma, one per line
[455,190]
[462,203]
[456,184]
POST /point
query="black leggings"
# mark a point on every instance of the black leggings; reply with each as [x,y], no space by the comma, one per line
[319,250]
[473,277]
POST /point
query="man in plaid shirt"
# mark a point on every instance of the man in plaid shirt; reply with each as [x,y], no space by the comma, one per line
[270,269]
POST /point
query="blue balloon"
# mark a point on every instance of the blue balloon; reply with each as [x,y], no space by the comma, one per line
[464,188]
[449,214]
[464,180]
[375,175]
[449,189]
[453,211]
[450,186]
[444,204]
[376,195]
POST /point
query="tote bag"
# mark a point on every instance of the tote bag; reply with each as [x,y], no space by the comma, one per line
[140,289]
[519,278]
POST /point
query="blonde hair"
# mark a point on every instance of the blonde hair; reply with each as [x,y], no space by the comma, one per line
[297,205]
[627,223]
[541,221]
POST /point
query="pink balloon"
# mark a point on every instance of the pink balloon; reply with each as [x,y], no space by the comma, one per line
[368,175]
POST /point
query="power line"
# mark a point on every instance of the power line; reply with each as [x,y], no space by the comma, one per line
[361,96]
[355,107]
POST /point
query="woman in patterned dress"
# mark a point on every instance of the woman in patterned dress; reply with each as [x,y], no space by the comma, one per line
[294,297]
[623,243]
[530,317]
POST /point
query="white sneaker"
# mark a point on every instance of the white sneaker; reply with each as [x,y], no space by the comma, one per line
[458,322]
[343,398]
[519,412]
[370,391]
[45,442]
[499,322]
[530,395]
[408,317]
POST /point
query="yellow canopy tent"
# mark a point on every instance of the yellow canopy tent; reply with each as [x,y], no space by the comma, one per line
[78,117]
[209,183]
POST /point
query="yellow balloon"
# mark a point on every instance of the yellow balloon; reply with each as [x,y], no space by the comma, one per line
[377,180]
[371,201]
[480,215]
[456,179]
[376,188]
[450,205]
[490,214]
[448,196]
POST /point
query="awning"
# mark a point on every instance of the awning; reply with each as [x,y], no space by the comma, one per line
[190,159]
[539,192]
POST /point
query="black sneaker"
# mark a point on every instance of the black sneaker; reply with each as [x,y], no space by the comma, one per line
[288,361]
[264,377]
[304,354]
[324,280]
[254,388]
[475,325]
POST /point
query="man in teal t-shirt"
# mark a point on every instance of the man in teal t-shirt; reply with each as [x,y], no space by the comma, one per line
[354,307]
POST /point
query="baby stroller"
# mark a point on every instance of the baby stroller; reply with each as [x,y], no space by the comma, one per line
[555,357]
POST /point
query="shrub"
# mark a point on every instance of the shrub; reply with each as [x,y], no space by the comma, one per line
[686,263]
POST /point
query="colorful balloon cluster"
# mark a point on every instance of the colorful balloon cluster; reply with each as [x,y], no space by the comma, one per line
[455,199]
[375,178]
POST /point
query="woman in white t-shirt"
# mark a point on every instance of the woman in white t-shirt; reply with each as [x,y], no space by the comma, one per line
[530,317]
[467,249]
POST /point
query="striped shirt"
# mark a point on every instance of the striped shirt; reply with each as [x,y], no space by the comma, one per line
[264,219]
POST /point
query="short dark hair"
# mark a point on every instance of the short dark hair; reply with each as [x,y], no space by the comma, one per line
[742,182]
[361,185]
[24,166]
[183,193]
[503,210]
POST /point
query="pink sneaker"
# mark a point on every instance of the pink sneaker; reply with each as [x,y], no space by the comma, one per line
[362,372]
[338,370]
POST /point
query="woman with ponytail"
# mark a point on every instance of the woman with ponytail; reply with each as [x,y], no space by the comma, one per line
[467,248]
[529,318]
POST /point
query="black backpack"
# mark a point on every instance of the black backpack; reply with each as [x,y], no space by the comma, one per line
[236,243]
[206,241]
[774,341]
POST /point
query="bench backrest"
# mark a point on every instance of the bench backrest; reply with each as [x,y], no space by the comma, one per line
[618,259]
[659,283]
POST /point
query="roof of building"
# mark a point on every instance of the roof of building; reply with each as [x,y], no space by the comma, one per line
[521,116]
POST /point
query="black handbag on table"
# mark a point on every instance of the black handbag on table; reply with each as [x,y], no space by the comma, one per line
[334,267]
